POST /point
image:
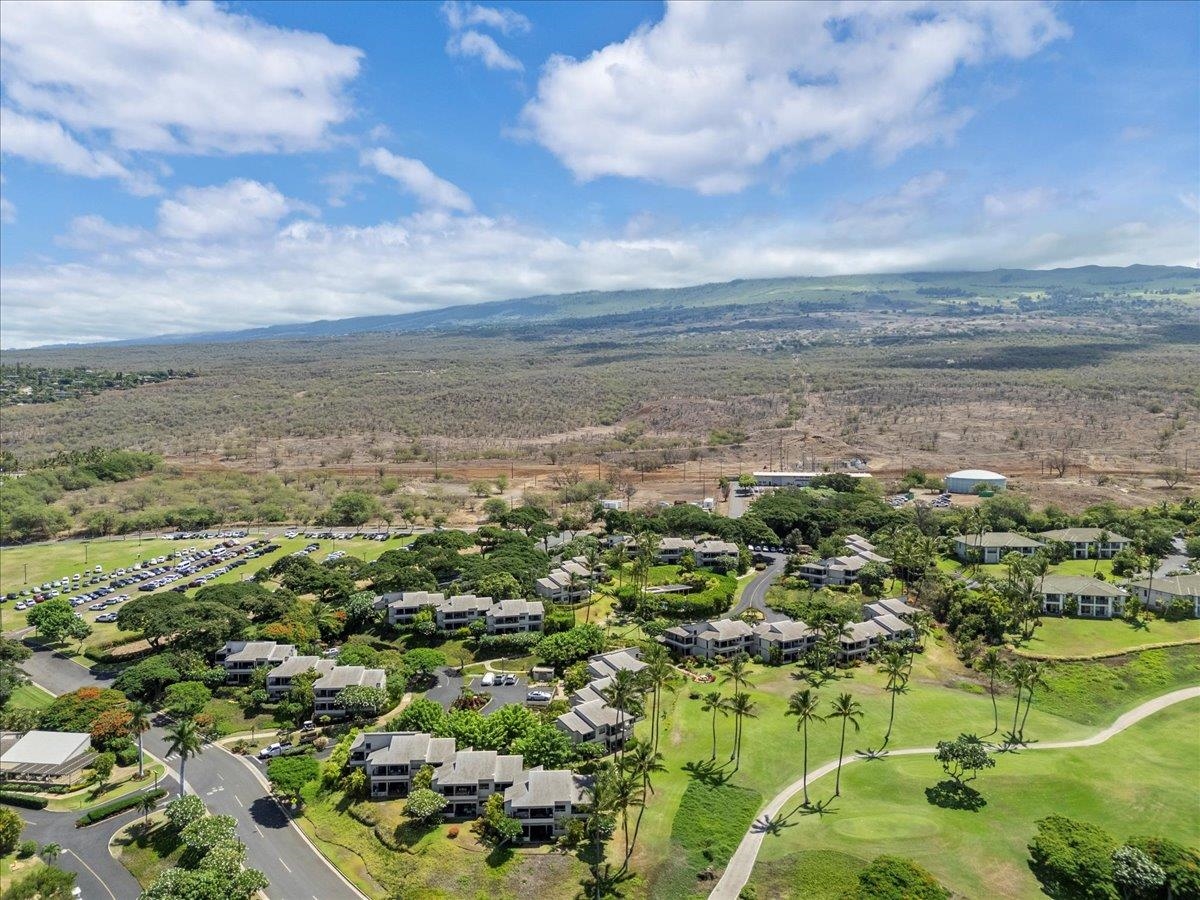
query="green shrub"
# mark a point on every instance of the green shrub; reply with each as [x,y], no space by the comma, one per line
[897,878]
[21,800]
[105,810]
[44,881]
[26,849]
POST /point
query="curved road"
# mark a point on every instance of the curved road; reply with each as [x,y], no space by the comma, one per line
[737,873]
[755,594]
[228,784]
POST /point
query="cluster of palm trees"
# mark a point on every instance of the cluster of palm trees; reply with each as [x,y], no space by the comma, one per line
[1025,676]
[805,705]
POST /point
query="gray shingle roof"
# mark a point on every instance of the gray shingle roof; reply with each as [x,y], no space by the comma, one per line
[1080,585]
[998,539]
[545,787]
[1082,535]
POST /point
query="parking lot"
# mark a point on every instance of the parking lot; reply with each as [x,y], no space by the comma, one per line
[450,685]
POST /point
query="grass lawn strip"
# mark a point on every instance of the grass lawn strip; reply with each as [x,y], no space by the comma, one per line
[1082,638]
[147,853]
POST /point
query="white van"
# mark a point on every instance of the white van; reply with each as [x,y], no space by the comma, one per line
[487,680]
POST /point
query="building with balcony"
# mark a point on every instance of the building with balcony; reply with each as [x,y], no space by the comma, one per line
[335,680]
[544,800]
[241,658]
[390,758]
[471,776]
[1089,543]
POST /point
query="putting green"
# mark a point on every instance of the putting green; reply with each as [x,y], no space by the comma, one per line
[892,826]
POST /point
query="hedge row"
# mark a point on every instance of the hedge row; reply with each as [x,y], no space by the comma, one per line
[104,811]
[21,800]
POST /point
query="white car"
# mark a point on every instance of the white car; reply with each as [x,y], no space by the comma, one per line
[538,697]
[106,617]
[270,751]
[487,680]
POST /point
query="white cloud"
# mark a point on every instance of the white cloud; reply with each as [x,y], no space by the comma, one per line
[8,212]
[716,92]
[168,77]
[417,178]
[466,15]
[47,142]
[1190,201]
[97,235]
[484,48]
[464,20]
[892,214]
[237,208]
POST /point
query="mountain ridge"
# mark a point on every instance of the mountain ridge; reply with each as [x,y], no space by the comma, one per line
[817,289]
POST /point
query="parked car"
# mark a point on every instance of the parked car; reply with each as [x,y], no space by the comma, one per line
[270,751]
[106,617]
[510,678]
[487,680]
[539,697]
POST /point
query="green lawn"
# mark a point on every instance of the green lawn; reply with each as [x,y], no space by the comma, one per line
[1085,637]
[30,696]
[124,782]
[1091,567]
[942,696]
[146,853]
[1093,692]
[883,809]
[430,865]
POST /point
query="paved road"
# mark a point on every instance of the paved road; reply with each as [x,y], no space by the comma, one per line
[737,873]
[1177,561]
[85,851]
[228,784]
[755,594]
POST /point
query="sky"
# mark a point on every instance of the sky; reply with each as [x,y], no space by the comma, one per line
[174,168]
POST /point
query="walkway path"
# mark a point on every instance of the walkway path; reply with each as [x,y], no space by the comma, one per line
[737,873]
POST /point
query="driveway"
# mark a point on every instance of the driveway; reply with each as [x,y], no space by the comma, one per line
[449,686]
[755,594]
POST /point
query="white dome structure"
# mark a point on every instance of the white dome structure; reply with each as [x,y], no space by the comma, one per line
[966,480]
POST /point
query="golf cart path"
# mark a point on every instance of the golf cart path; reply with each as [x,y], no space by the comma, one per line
[737,872]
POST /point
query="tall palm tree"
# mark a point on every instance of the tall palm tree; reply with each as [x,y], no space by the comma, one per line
[991,664]
[1034,678]
[1018,675]
[574,582]
[184,738]
[742,707]
[139,724]
[50,852]
[642,761]
[622,695]
[715,703]
[896,670]
[737,673]
[923,624]
[656,674]
[803,704]
[626,793]
[849,711]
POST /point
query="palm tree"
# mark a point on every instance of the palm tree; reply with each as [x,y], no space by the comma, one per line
[642,760]
[737,673]
[625,793]
[145,805]
[574,582]
[991,664]
[1034,678]
[742,707]
[897,681]
[803,704]
[50,852]
[656,674]
[621,695]
[184,738]
[139,724]
[849,711]
[923,624]
[1017,676]
[715,702]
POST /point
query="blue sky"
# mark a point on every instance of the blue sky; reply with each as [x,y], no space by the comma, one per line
[178,168]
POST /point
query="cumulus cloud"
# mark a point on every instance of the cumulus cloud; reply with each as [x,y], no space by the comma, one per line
[237,208]
[166,77]
[714,93]
[417,178]
[47,142]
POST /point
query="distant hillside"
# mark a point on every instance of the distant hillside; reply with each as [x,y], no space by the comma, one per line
[904,291]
